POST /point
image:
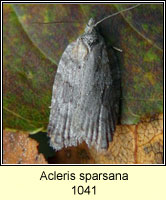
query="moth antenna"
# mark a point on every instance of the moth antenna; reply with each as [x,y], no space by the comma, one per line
[116,14]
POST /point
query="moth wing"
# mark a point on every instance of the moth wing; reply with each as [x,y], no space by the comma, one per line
[95,118]
[83,102]
[65,96]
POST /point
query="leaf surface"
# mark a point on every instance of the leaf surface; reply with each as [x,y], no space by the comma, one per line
[32,51]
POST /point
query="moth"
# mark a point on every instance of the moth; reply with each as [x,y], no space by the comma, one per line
[84,105]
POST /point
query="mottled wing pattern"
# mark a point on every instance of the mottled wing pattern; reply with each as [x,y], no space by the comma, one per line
[94,119]
[82,107]
[65,96]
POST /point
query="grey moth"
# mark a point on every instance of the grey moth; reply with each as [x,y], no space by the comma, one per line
[85,103]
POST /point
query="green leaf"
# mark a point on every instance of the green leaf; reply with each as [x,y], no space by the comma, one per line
[32,50]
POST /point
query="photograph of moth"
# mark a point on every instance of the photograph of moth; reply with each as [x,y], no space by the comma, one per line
[85,99]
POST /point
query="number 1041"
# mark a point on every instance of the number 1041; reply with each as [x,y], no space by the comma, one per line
[80,190]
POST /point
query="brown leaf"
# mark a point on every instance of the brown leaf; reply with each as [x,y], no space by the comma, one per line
[71,155]
[18,148]
[135,144]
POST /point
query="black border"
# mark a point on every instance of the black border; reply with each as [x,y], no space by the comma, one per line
[81,2]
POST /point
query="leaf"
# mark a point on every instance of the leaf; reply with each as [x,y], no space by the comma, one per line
[32,51]
[132,144]
[18,148]
[73,155]
[135,144]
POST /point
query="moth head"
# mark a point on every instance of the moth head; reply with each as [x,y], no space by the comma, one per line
[90,35]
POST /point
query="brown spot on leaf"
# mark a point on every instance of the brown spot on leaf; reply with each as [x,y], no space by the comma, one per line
[18,148]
